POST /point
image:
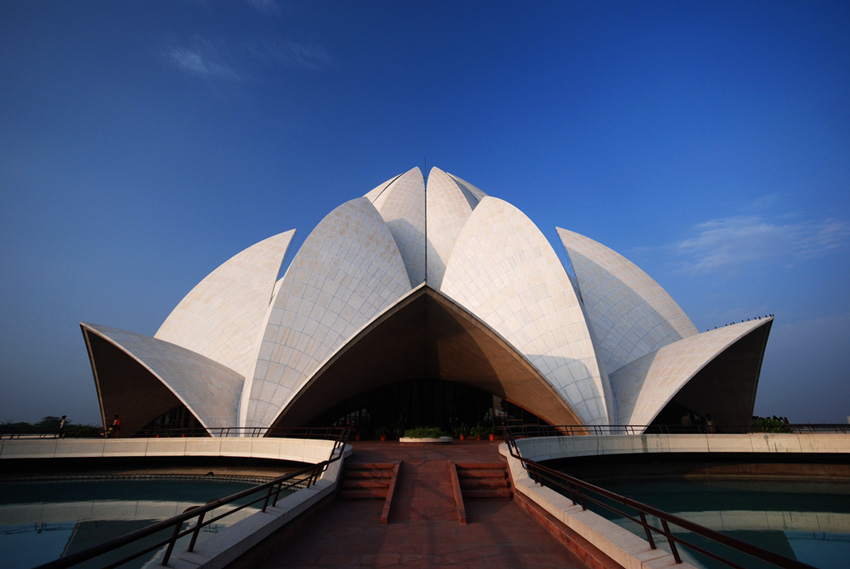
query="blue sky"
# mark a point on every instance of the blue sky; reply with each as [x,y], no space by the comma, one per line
[144,143]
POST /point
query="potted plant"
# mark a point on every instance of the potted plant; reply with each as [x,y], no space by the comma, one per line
[382,432]
[461,431]
[478,431]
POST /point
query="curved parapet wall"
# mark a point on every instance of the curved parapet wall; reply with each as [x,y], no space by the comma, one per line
[643,387]
[222,317]
[161,376]
[348,271]
[540,449]
[310,451]
[504,271]
[630,313]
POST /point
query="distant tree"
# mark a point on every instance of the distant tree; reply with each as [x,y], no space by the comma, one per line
[50,424]
[19,427]
[769,425]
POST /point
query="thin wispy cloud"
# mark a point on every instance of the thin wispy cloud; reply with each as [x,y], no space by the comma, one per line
[289,53]
[238,61]
[735,243]
[201,58]
[269,7]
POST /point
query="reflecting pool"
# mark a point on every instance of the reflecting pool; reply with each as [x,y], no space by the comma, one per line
[804,520]
[42,521]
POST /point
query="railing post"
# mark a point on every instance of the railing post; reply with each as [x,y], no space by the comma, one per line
[670,540]
[277,493]
[171,542]
[268,497]
[574,493]
[645,525]
[196,531]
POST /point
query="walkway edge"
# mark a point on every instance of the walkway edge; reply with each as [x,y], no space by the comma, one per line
[617,544]
[388,501]
[461,509]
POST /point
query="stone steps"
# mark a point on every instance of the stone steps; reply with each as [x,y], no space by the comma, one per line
[484,481]
[370,481]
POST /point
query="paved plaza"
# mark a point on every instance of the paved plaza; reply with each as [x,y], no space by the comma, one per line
[423,528]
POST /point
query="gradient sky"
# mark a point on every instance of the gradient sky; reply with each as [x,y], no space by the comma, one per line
[142,144]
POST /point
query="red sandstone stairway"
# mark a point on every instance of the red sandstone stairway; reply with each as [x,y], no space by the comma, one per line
[371,481]
[478,481]
[484,481]
[466,482]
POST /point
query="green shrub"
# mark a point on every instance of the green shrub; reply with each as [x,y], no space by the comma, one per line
[424,433]
[769,425]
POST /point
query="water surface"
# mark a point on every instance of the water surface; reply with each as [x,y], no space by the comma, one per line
[804,520]
[42,521]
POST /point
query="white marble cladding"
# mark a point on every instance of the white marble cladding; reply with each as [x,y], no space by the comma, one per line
[504,271]
[449,206]
[631,315]
[401,202]
[643,387]
[222,317]
[209,389]
[240,346]
[348,270]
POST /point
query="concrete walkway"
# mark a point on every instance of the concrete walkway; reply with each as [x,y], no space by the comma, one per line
[423,529]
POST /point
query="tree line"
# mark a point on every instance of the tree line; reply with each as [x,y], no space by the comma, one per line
[48,425]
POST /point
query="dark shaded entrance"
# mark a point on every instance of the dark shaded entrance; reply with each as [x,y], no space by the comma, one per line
[431,403]
[414,403]
[427,340]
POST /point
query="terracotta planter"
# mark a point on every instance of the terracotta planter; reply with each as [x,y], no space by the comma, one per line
[462,437]
[492,437]
[383,437]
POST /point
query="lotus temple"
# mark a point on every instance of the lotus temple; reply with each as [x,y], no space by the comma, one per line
[426,302]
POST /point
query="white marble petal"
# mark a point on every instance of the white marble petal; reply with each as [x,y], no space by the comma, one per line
[222,317]
[630,314]
[449,205]
[643,387]
[348,271]
[207,388]
[402,205]
[504,271]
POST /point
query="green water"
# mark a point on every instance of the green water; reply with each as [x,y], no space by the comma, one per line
[42,521]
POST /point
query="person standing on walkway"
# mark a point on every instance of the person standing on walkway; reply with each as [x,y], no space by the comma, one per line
[116,427]
[62,427]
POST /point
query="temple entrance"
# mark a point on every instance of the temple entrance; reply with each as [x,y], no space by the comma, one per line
[424,403]
[425,362]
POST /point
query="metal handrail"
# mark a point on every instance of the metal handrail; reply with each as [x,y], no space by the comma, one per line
[34,434]
[269,494]
[525,431]
[580,492]
[325,433]
[544,430]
